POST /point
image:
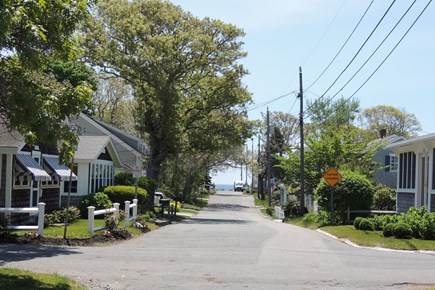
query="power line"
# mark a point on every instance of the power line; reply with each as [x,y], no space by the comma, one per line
[388,55]
[269,102]
[344,44]
[391,31]
[412,25]
[362,46]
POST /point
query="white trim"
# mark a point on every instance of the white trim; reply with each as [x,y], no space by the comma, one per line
[392,155]
[9,180]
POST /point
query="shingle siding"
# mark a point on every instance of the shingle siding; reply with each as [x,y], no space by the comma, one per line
[383,176]
[405,200]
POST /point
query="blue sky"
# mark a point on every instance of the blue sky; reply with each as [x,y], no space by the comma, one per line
[282,35]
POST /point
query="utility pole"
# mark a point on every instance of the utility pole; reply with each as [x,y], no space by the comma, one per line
[252,167]
[269,194]
[302,152]
[260,193]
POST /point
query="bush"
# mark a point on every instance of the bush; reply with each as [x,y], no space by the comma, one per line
[323,218]
[366,225]
[429,226]
[99,200]
[149,184]
[354,191]
[124,178]
[111,221]
[309,219]
[356,222]
[388,230]
[384,198]
[402,231]
[270,211]
[58,216]
[121,193]
[414,217]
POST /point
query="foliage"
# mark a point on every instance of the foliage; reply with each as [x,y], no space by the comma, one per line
[395,121]
[402,230]
[384,198]
[354,191]
[366,225]
[124,178]
[309,219]
[111,221]
[38,72]
[184,73]
[121,193]
[149,184]
[99,200]
[388,230]
[287,124]
[291,208]
[270,210]
[24,280]
[58,216]
[357,222]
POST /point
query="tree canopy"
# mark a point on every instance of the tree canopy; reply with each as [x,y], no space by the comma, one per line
[41,84]
[184,72]
[393,120]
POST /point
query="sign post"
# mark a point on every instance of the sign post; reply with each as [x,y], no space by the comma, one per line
[332,176]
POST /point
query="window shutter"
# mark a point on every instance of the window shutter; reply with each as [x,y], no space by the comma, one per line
[387,163]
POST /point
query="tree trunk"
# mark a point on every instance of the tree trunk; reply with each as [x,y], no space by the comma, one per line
[187,186]
[153,171]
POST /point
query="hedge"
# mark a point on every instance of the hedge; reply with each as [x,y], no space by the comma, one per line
[121,193]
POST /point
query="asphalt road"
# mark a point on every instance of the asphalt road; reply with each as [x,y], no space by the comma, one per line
[229,245]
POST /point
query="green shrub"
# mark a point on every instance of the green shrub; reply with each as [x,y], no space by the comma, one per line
[121,193]
[384,198]
[149,184]
[323,218]
[388,230]
[378,222]
[366,225]
[354,191]
[402,231]
[111,221]
[124,178]
[99,200]
[309,219]
[356,222]
[429,226]
[58,216]
[414,217]
[270,211]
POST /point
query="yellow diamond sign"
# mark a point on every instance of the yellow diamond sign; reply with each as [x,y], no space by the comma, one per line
[332,176]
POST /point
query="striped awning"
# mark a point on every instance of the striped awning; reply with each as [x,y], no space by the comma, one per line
[28,166]
[58,171]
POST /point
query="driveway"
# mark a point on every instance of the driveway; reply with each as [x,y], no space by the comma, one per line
[229,245]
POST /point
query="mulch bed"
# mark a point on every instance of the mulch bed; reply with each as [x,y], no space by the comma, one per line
[96,240]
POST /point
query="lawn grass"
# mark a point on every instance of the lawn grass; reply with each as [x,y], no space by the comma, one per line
[299,221]
[79,229]
[375,239]
[23,280]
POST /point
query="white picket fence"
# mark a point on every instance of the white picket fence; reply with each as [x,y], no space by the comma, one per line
[40,210]
[92,213]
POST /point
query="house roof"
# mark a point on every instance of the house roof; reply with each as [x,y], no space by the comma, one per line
[387,140]
[420,139]
[10,139]
[90,147]
[129,156]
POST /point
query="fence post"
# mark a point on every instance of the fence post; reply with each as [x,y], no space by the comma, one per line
[348,215]
[41,213]
[116,206]
[127,213]
[135,209]
[91,210]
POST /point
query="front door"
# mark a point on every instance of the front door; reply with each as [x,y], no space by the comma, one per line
[422,197]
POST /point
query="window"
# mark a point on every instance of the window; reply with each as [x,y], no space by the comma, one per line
[407,163]
[73,183]
[394,163]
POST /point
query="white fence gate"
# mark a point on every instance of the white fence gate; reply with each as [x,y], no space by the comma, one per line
[40,210]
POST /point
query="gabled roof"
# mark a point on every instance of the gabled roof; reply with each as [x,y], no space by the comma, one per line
[90,147]
[387,140]
[10,140]
[420,139]
[129,156]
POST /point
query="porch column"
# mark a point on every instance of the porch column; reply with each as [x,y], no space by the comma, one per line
[9,180]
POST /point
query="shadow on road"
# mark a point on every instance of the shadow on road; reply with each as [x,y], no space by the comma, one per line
[215,221]
[224,206]
[16,253]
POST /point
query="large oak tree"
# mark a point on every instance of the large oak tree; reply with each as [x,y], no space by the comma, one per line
[184,71]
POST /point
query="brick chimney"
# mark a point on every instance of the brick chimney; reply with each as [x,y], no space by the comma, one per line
[383,133]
